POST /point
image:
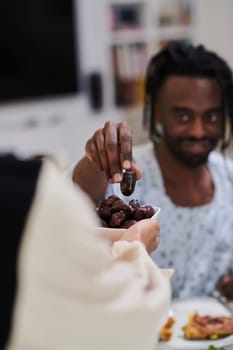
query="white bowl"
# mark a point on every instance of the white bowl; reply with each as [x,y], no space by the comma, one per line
[111,234]
[114,234]
[156,214]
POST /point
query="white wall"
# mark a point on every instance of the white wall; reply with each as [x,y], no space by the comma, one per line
[61,126]
[215,26]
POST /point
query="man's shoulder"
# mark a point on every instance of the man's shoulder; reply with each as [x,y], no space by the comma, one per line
[221,165]
[220,159]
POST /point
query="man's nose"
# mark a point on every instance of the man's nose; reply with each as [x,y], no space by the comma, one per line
[198,128]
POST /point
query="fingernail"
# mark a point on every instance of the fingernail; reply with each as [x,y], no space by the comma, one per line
[126,164]
[117,177]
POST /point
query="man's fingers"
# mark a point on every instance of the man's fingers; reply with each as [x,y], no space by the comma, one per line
[125,145]
[95,152]
[91,153]
[136,170]
[112,150]
[102,154]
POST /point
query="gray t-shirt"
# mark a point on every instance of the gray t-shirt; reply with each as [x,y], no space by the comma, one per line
[197,242]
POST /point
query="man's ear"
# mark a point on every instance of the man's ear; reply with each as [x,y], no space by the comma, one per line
[158,127]
[157,115]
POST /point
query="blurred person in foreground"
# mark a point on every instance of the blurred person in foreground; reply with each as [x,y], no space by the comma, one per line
[63,287]
[188,113]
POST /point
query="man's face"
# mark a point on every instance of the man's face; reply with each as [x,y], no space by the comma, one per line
[191,113]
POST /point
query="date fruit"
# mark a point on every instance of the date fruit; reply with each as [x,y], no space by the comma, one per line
[128,183]
[115,213]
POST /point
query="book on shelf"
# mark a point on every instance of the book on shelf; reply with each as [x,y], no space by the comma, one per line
[129,65]
[126,16]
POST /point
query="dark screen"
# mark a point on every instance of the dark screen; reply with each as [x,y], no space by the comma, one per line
[38,49]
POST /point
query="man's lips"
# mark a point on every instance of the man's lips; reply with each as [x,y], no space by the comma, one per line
[196,146]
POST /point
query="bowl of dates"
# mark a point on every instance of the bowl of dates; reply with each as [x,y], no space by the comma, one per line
[116,214]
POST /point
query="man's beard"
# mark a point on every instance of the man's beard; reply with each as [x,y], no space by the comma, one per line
[188,158]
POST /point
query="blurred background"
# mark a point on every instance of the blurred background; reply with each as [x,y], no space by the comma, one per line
[67,66]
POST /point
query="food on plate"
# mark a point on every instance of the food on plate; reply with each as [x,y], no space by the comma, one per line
[207,327]
[128,183]
[115,213]
[167,331]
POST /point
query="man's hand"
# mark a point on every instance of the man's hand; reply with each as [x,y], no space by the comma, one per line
[226,286]
[110,149]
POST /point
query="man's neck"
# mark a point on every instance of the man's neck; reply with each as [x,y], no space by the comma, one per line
[186,186]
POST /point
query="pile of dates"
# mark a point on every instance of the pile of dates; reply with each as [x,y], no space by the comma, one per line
[115,213]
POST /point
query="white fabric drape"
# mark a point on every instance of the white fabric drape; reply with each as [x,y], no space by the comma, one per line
[75,292]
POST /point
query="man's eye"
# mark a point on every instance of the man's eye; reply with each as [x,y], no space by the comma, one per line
[183,117]
[213,117]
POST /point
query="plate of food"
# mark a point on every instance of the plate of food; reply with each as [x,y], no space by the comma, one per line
[198,324]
